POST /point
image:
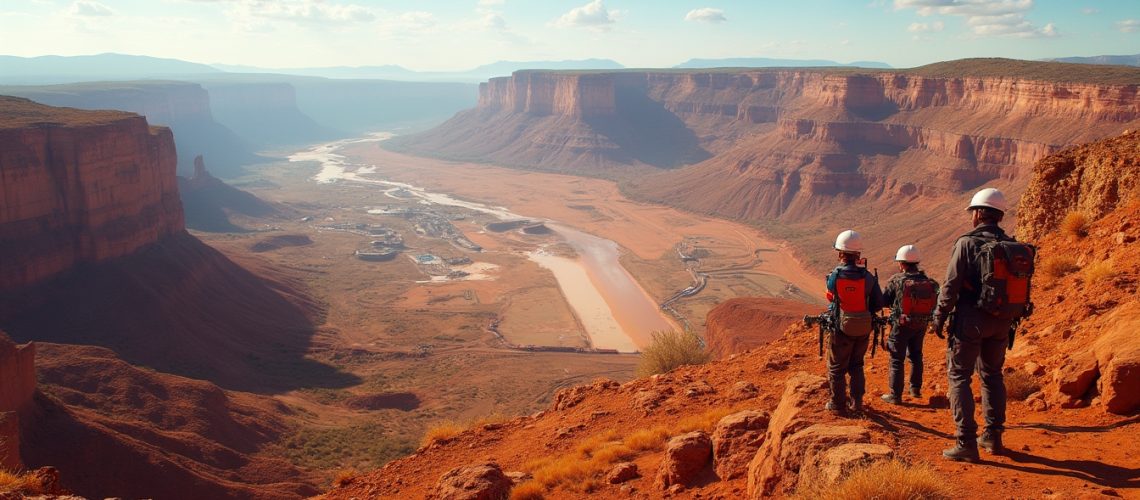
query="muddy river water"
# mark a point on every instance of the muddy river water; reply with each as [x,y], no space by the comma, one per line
[612,307]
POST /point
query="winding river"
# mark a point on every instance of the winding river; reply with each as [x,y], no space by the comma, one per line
[614,309]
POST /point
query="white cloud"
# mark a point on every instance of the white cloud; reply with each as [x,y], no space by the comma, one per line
[1088,11]
[706,15]
[491,3]
[307,11]
[1128,25]
[935,26]
[984,17]
[593,15]
[90,9]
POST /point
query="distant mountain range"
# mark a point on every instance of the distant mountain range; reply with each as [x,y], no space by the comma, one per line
[1127,60]
[394,72]
[70,69]
[765,62]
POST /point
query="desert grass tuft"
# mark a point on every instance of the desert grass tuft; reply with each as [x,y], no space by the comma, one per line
[530,490]
[1058,266]
[670,349]
[344,477]
[20,484]
[1019,385]
[883,480]
[651,439]
[442,431]
[1098,271]
[1075,224]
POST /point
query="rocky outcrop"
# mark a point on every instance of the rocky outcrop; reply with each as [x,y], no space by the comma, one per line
[181,106]
[18,373]
[743,323]
[1093,179]
[80,187]
[209,202]
[475,482]
[735,441]
[1111,366]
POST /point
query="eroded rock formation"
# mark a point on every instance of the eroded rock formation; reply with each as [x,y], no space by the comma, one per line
[18,376]
[80,187]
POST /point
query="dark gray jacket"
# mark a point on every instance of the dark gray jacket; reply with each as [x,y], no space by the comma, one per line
[963,282]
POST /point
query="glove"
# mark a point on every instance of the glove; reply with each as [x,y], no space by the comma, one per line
[938,326]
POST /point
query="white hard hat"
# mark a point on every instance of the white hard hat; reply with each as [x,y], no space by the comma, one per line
[849,241]
[990,198]
[909,254]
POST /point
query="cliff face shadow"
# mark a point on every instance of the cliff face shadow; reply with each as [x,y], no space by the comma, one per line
[649,133]
[181,307]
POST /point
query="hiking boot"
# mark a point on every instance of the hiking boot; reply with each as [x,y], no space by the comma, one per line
[836,409]
[855,406]
[892,399]
[916,393]
[963,451]
[991,442]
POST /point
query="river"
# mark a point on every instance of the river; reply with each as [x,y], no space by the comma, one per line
[614,309]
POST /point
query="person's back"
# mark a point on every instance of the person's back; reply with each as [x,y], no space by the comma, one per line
[912,297]
[854,295]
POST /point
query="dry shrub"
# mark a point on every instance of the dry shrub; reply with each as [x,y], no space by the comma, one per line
[670,349]
[530,490]
[703,422]
[1075,224]
[344,477]
[882,480]
[1019,385]
[1057,266]
[20,484]
[442,431]
[647,439]
[1099,271]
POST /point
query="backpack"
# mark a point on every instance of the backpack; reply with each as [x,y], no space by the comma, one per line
[915,302]
[1007,272]
[854,317]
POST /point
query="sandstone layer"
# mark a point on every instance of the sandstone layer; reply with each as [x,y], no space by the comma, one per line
[801,147]
[80,187]
[18,373]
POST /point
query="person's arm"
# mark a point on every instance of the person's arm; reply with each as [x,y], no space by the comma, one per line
[890,292]
[956,275]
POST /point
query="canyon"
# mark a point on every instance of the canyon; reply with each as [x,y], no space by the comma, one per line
[796,148]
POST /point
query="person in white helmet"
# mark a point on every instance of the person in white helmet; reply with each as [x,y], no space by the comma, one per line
[978,336]
[854,295]
[911,296]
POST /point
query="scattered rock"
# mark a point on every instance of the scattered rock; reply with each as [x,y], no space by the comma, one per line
[473,482]
[599,414]
[47,479]
[802,390]
[744,390]
[1036,401]
[675,489]
[685,457]
[1118,357]
[1033,369]
[622,472]
[699,389]
[837,462]
[1123,238]
[648,400]
[1074,378]
[735,441]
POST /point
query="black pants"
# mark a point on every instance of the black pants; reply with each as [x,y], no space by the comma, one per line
[905,344]
[845,359]
[977,344]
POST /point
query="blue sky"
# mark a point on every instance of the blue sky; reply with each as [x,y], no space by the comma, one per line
[461,34]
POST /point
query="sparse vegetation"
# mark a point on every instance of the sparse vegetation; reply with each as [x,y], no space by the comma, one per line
[669,350]
[20,484]
[1019,385]
[1099,271]
[529,490]
[442,431]
[344,477]
[362,447]
[1057,266]
[1075,224]
[883,480]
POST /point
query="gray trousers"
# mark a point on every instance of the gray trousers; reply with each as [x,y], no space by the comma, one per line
[977,343]
[845,359]
[905,344]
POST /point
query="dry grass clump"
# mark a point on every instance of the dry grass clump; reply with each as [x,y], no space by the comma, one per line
[20,484]
[529,490]
[883,480]
[647,439]
[1019,385]
[1075,224]
[1057,266]
[670,349]
[442,431]
[1099,271]
[344,477]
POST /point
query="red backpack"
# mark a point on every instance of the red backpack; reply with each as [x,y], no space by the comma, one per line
[915,302]
[851,297]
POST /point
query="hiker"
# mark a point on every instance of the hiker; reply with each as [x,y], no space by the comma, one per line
[985,293]
[912,297]
[854,294]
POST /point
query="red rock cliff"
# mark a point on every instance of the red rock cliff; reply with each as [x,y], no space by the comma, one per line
[18,377]
[78,186]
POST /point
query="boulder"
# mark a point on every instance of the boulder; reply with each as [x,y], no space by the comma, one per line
[744,390]
[1118,358]
[1074,378]
[685,457]
[735,441]
[622,472]
[473,482]
[805,449]
[801,392]
[837,462]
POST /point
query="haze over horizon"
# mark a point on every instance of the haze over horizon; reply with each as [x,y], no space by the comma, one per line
[450,35]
